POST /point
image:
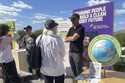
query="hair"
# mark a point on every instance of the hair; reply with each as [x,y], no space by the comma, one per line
[3,29]
[77,15]
[91,34]
[74,16]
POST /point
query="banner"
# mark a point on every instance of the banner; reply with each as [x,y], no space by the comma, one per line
[97,19]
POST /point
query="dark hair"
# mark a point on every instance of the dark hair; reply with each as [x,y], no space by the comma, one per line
[3,29]
[74,16]
[91,34]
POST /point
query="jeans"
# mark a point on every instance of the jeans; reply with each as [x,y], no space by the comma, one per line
[76,63]
[53,79]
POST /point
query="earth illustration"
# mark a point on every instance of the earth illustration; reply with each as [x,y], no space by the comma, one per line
[104,51]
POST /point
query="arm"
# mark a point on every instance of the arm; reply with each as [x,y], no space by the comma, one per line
[72,38]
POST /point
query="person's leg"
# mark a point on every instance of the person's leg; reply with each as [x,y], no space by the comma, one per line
[4,72]
[76,63]
[10,72]
[72,64]
[38,73]
[49,79]
[59,79]
[29,63]
[80,63]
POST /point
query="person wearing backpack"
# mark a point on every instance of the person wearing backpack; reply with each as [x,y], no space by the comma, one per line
[29,41]
[52,52]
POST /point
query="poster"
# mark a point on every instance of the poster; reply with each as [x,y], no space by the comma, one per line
[97,19]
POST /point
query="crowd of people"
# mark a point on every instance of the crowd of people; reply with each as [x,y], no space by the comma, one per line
[52,51]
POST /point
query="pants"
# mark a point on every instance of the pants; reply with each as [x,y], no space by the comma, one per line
[10,73]
[30,67]
[52,79]
[76,63]
[29,61]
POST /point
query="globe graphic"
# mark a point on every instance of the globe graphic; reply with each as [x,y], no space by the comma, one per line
[104,51]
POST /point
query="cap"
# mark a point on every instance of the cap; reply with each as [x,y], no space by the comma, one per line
[27,27]
[49,24]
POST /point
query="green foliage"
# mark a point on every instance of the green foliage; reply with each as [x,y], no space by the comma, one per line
[120,65]
[121,38]
[38,32]
[21,33]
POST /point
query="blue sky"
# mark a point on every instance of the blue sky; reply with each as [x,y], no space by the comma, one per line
[35,12]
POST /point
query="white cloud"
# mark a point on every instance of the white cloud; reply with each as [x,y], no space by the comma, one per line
[123,5]
[37,22]
[121,23]
[13,9]
[95,2]
[11,19]
[21,5]
[8,10]
[120,11]
[58,19]
[4,20]
[3,13]
[41,18]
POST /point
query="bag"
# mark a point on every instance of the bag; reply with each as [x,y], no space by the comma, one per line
[36,57]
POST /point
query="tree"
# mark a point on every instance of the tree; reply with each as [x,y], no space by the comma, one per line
[121,38]
[21,33]
[38,32]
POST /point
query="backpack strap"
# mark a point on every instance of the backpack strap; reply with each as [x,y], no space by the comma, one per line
[39,40]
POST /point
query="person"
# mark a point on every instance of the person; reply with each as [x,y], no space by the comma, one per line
[87,63]
[52,52]
[86,59]
[29,43]
[6,59]
[75,36]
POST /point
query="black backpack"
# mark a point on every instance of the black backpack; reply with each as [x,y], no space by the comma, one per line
[36,58]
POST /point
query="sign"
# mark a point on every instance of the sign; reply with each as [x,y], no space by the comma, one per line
[97,19]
